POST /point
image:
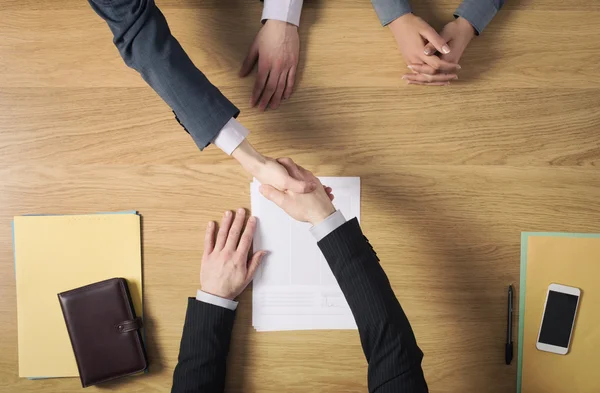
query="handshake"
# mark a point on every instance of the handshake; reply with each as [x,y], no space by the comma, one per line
[226,269]
[432,57]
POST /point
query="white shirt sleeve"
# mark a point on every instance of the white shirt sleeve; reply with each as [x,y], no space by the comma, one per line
[216,300]
[231,135]
[328,225]
[283,10]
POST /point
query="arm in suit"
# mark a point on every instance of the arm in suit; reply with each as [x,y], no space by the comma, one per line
[204,347]
[478,13]
[389,10]
[386,336]
[224,273]
[142,36]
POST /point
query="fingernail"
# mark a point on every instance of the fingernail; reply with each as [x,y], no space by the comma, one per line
[456,77]
[265,253]
[410,67]
[252,219]
[404,77]
[458,67]
[227,213]
[241,211]
[427,51]
[210,224]
[446,49]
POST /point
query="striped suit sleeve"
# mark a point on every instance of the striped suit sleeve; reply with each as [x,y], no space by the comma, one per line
[386,336]
[201,366]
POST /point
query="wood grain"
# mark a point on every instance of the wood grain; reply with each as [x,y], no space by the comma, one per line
[450,177]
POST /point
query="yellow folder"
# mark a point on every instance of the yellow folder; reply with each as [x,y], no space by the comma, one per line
[58,253]
[568,259]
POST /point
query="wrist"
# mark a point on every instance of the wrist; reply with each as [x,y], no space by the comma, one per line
[465,26]
[399,21]
[281,23]
[217,293]
[248,157]
[322,214]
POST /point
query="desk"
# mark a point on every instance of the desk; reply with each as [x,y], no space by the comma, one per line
[450,176]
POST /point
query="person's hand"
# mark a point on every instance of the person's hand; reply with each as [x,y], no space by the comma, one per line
[226,269]
[458,34]
[270,171]
[277,49]
[311,207]
[412,35]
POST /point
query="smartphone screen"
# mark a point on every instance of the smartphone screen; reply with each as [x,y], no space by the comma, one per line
[558,319]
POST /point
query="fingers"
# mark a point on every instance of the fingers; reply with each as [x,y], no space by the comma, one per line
[253,265]
[250,60]
[328,191]
[269,89]
[276,99]
[290,166]
[430,78]
[299,186]
[259,83]
[209,238]
[295,182]
[422,69]
[434,38]
[247,236]
[291,79]
[440,65]
[429,83]
[273,194]
[223,230]
[236,230]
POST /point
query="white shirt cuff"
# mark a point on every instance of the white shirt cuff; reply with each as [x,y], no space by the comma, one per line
[216,300]
[328,225]
[283,10]
[231,135]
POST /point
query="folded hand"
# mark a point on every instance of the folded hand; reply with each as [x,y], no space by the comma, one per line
[458,34]
[414,36]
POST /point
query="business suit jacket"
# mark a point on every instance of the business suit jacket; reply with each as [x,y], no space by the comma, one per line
[387,339]
[144,40]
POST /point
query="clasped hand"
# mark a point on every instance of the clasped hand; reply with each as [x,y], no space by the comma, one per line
[227,266]
[433,58]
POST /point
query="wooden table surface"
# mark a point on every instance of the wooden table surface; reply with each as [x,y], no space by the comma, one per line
[450,176]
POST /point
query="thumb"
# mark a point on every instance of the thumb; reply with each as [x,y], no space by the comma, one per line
[253,264]
[434,38]
[273,194]
[249,61]
[429,49]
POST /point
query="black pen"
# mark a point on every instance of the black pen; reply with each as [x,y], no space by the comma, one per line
[508,353]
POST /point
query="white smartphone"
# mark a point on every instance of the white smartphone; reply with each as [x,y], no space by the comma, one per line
[558,319]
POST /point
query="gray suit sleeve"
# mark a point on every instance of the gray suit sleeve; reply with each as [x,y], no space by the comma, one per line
[479,13]
[390,10]
[144,40]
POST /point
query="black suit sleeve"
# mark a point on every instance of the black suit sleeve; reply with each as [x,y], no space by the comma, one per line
[144,40]
[204,347]
[387,339]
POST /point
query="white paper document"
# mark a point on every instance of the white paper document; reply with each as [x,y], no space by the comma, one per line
[294,289]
